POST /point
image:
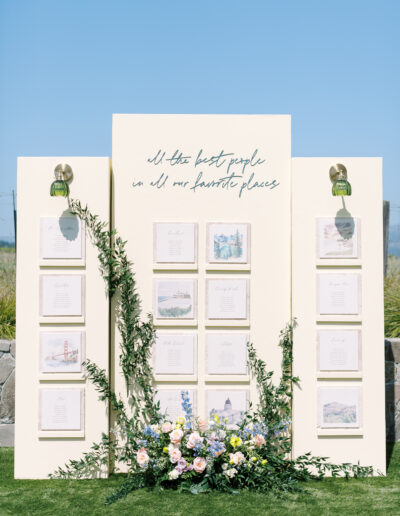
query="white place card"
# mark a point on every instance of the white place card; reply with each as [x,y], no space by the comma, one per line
[339,350]
[226,353]
[175,353]
[227,299]
[339,294]
[171,402]
[175,242]
[61,409]
[228,243]
[61,295]
[338,237]
[229,406]
[62,237]
[174,298]
[339,407]
[61,352]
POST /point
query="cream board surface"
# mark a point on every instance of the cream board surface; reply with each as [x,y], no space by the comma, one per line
[363,438]
[229,175]
[41,251]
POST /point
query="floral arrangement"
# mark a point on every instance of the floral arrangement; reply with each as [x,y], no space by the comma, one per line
[189,453]
[193,454]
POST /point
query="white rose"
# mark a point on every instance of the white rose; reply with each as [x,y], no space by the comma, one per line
[174,474]
[174,455]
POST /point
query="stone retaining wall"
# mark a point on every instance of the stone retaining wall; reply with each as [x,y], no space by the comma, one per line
[7,381]
[392,378]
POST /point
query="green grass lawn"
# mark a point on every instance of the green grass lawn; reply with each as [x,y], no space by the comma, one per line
[379,495]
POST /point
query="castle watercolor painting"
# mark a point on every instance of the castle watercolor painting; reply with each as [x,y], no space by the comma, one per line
[228,243]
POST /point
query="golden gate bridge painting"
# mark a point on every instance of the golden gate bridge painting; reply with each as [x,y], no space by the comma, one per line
[61,354]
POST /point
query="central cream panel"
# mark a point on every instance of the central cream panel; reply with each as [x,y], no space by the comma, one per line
[206,171]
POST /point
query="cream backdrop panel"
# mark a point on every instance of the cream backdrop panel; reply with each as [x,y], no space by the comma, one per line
[38,453]
[312,198]
[152,185]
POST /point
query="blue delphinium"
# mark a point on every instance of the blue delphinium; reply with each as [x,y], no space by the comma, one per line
[187,407]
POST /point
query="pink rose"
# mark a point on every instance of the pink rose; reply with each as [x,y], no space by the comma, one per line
[193,440]
[203,425]
[237,458]
[142,458]
[199,464]
[259,440]
[176,436]
[166,428]
[174,455]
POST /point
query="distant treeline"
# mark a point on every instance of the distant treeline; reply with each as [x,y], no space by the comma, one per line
[4,243]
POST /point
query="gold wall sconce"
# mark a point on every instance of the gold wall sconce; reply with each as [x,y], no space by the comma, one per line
[338,176]
[63,174]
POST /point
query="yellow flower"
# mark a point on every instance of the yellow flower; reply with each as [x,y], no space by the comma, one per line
[235,441]
[181,420]
[177,426]
[264,462]
[216,418]
[231,462]
[165,449]
[254,459]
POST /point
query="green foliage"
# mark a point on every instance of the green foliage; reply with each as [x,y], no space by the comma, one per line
[7,293]
[392,298]
[262,440]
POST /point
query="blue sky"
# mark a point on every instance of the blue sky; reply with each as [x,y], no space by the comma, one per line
[66,66]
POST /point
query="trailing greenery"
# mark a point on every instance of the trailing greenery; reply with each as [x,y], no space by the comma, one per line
[392,298]
[7,293]
[249,452]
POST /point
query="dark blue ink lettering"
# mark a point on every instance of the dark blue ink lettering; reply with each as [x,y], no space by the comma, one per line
[183,184]
[224,182]
[250,185]
[139,183]
[217,160]
[157,158]
[178,159]
[160,181]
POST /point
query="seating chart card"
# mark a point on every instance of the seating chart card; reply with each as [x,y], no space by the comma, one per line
[62,237]
[174,298]
[228,243]
[338,237]
[175,242]
[175,353]
[339,350]
[61,295]
[226,353]
[61,409]
[61,352]
[171,402]
[339,407]
[227,299]
[228,405]
[339,294]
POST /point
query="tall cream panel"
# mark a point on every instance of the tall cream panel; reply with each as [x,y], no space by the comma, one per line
[204,203]
[62,316]
[337,296]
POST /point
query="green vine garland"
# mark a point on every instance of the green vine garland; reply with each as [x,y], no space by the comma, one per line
[137,337]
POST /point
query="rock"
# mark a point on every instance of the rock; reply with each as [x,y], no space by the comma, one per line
[12,348]
[390,372]
[7,365]
[392,350]
[5,345]
[7,403]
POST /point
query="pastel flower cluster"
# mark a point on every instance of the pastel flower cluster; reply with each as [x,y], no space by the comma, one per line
[187,450]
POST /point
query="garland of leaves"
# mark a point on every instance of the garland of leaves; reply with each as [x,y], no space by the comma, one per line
[137,337]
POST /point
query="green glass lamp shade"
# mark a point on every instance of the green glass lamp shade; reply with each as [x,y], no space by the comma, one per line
[341,187]
[59,188]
